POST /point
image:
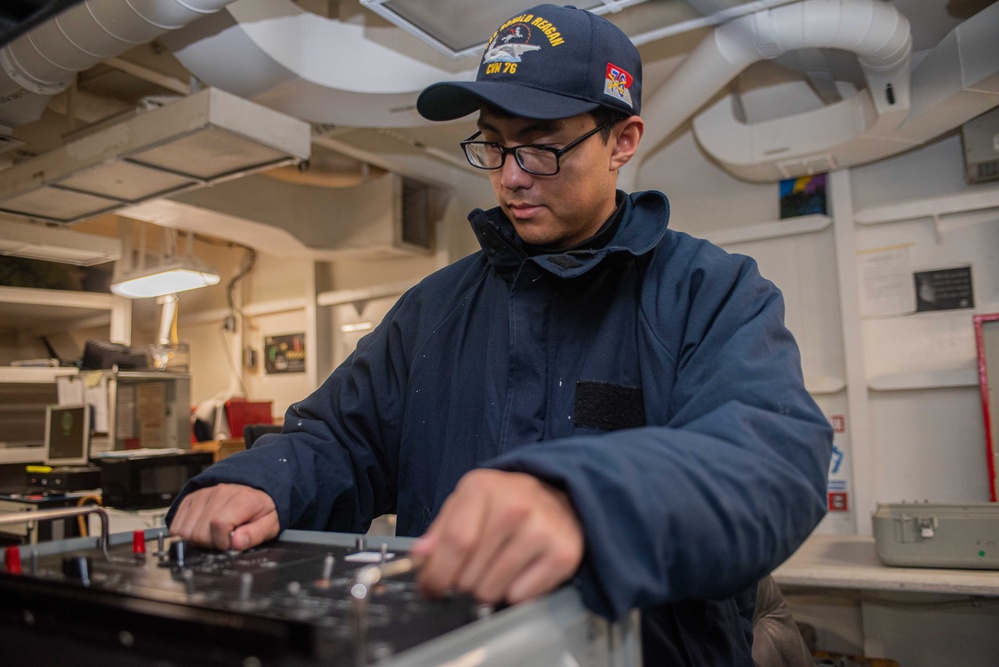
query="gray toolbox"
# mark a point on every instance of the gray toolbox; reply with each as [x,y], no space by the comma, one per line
[938,535]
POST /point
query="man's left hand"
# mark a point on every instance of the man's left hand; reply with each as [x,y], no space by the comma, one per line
[500,536]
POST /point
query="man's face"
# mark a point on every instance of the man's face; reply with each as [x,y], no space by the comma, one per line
[566,208]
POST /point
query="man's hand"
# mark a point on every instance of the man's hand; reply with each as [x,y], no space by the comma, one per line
[208,516]
[500,536]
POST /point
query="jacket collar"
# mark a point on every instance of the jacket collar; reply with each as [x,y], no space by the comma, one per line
[644,220]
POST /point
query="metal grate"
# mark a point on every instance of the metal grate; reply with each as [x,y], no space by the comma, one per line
[987,171]
[417,214]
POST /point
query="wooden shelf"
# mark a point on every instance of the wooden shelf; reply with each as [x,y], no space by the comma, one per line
[14,380]
[938,379]
[929,208]
[824,384]
[28,308]
[806,224]
[34,375]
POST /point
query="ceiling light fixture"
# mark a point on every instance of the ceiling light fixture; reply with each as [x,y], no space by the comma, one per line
[184,274]
[174,274]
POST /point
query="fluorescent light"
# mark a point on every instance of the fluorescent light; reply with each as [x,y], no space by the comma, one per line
[359,326]
[170,278]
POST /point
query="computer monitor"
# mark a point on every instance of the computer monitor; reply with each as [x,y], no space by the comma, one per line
[67,435]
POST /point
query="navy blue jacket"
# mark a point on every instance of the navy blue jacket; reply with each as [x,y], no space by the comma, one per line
[652,379]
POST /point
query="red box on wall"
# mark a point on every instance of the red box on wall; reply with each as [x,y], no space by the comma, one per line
[240,412]
[838,501]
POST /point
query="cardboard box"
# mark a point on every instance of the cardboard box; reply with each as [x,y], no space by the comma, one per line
[220,448]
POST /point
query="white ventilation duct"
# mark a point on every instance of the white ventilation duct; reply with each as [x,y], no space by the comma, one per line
[311,67]
[956,81]
[875,31]
[44,61]
[375,218]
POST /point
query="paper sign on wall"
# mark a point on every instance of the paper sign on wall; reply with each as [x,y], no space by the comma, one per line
[886,287]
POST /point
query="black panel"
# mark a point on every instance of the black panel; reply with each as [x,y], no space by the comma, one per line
[19,16]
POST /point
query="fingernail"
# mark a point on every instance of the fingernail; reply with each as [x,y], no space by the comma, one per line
[239,541]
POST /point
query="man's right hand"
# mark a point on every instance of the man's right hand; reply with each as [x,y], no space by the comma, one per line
[226,516]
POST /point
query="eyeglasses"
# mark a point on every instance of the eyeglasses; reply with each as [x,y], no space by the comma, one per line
[534,159]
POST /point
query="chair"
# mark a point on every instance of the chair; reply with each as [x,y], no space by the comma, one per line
[253,431]
[777,641]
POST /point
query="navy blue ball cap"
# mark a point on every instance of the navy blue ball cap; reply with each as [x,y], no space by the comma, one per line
[546,62]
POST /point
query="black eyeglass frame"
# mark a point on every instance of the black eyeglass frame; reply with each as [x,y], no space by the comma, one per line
[515,151]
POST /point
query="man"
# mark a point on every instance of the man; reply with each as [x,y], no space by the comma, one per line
[590,398]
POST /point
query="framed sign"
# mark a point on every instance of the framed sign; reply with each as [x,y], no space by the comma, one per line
[284,354]
[987,339]
[944,289]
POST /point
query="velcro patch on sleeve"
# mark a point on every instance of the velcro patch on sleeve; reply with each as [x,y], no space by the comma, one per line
[607,406]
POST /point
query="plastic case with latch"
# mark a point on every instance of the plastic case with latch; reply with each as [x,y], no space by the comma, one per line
[938,535]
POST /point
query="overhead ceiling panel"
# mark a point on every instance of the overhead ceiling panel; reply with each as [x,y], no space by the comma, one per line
[126,181]
[211,153]
[461,27]
[198,140]
[56,244]
[57,204]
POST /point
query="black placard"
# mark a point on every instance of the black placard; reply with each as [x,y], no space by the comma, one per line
[944,289]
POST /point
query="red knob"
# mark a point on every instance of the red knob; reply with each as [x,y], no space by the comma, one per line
[138,542]
[12,560]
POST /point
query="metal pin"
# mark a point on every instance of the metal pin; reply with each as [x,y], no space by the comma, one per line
[359,543]
[328,564]
[368,576]
[360,591]
[245,586]
[177,553]
[188,577]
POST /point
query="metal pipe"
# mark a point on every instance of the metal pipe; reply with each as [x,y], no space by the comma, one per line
[63,513]
[45,60]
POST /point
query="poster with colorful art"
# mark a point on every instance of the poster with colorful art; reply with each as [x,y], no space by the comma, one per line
[284,354]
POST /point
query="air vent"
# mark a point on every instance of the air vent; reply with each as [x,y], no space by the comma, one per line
[416,207]
[981,147]
[986,171]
